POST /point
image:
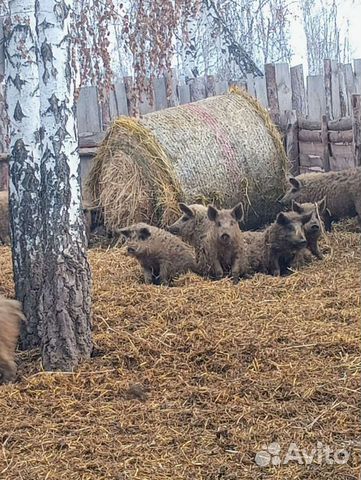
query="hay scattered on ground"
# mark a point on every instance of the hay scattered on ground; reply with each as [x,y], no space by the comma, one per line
[190,382]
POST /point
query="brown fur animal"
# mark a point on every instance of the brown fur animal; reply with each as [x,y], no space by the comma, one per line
[272,250]
[192,225]
[4,218]
[163,256]
[342,191]
[313,228]
[10,319]
[223,245]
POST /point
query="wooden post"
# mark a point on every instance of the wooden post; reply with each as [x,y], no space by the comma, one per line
[132,103]
[197,89]
[356,128]
[284,91]
[335,90]
[357,70]
[292,148]
[343,91]
[270,74]
[327,82]
[325,143]
[210,85]
[298,90]
[159,93]
[171,80]
[250,84]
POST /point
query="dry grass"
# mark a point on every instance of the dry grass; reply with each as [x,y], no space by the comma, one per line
[189,382]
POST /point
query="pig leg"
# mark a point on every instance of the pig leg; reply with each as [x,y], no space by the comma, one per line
[274,266]
[216,269]
[238,269]
[358,209]
[7,369]
[148,276]
[164,274]
[313,246]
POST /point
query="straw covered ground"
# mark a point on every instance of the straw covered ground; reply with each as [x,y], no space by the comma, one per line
[190,382]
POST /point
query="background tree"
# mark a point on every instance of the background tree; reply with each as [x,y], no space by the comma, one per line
[324,37]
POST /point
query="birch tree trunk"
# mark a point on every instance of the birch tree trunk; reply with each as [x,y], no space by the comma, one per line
[66,337]
[22,93]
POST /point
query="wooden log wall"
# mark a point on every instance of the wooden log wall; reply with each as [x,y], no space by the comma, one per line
[330,144]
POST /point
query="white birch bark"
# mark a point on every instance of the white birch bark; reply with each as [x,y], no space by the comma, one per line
[66,288]
[22,93]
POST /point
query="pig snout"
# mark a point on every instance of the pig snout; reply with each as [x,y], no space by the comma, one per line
[173,229]
[225,238]
[314,227]
[301,243]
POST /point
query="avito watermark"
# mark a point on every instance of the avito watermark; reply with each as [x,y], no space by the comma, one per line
[274,455]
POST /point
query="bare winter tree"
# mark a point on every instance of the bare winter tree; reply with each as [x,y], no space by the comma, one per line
[323,34]
[235,37]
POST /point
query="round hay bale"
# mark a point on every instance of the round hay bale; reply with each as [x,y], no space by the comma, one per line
[220,150]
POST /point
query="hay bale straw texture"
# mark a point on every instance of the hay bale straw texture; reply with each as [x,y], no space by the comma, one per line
[220,150]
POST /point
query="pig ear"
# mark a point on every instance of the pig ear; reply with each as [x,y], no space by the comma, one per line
[185,209]
[126,232]
[322,205]
[295,183]
[306,218]
[282,219]
[238,212]
[212,213]
[144,233]
[296,207]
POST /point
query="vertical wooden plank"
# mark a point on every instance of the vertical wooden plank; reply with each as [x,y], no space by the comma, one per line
[350,83]
[284,90]
[315,97]
[242,84]
[197,89]
[357,70]
[88,111]
[250,84]
[160,93]
[335,90]
[210,85]
[325,143]
[344,107]
[221,87]
[113,107]
[121,98]
[171,80]
[146,104]
[292,148]
[183,94]
[356,128]
[105,112]
[298,90]
[2,51]
[132,102]
[4,123]
[261,90]
[327,81]
[4,175]
[270,74]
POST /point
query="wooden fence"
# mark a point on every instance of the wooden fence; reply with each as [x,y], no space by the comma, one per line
[305,108]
